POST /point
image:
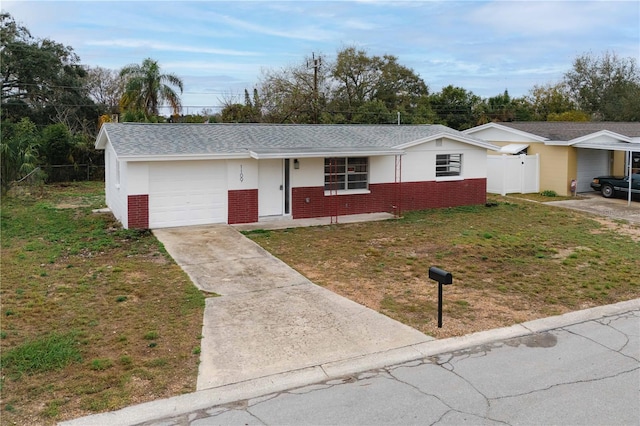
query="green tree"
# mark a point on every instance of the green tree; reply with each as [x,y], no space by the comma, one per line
[607,87]
[373,112]
[455,107]
[357,76]
[568,116]
[496,108]
[550,99]
[355,88]
[402,90]
[238,113]
[19,151]
[361,80]
[57,145]
[42,80]
[146,88]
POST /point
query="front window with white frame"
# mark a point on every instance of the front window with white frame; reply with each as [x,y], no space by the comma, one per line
[346,173]
[448,165]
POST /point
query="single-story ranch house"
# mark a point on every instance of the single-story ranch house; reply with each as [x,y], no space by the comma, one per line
[165,175]
[569,151]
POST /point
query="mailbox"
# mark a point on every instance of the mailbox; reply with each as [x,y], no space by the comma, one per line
[441,276]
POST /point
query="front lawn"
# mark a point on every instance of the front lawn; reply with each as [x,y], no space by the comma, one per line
[94,317]
[511,262]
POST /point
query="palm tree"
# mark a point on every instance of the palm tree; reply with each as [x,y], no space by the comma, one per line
[146,88]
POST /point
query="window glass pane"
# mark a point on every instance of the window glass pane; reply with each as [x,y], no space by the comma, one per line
[357,185]
[352,172]
[448,164]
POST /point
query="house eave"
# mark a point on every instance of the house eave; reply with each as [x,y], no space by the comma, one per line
[468,140]
[101,139]
[591,136]
[533,136]
[616,146]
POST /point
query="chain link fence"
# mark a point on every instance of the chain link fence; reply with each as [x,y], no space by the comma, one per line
[73,172]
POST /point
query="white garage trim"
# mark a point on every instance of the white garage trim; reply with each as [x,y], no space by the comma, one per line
[187,193]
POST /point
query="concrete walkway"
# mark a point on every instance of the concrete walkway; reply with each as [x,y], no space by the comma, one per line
[269,318]
[578,368]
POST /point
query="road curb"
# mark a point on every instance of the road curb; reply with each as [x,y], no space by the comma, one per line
[183,404]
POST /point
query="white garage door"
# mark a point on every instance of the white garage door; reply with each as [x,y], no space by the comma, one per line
[591,163]
[187,193]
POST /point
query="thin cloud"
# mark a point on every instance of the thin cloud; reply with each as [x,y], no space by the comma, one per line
[136,44]
[304,33]
[551,17]
[358,24]
[211,66]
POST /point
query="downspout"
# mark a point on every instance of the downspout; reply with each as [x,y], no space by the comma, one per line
[630,176]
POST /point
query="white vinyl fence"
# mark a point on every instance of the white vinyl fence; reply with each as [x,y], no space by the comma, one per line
[509,174]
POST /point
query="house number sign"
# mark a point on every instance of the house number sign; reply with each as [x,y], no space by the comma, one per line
[241,174]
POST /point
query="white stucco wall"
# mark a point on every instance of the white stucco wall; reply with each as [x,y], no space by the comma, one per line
[310,173]
[115,194]
[419,164]
[382,169]
[242,174]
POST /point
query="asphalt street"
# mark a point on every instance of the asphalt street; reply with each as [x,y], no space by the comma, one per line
[584,374]
[581,368]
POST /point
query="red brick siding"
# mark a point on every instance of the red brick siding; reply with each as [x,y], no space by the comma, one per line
[428,195]
[386,197]
[242,206]
[138,211]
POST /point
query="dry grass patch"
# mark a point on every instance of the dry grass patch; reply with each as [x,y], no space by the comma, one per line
[513,262]
[94,317]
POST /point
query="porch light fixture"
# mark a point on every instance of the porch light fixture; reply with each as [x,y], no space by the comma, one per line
[296,164]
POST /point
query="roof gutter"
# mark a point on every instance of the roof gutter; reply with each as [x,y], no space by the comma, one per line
[186,157]
[324,154]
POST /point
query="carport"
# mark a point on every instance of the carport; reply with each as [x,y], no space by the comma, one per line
[630,146]
[570,151]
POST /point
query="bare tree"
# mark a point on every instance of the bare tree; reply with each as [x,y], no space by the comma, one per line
[105,87]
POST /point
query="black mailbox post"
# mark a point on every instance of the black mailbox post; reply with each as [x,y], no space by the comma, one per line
[442,277]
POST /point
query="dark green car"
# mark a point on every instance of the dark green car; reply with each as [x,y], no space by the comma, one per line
[610,186]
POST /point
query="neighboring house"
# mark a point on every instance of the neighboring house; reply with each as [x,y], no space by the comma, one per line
[569,151]
[164,175]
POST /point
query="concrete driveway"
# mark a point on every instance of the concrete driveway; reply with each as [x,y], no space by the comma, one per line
[269,319]
[594,202]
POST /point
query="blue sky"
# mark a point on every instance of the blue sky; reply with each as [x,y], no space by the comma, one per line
[219,48]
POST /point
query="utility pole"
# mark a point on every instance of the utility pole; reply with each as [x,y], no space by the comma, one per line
[316,66]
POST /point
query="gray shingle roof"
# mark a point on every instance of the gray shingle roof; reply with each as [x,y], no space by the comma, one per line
[566,130]
[146,139]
